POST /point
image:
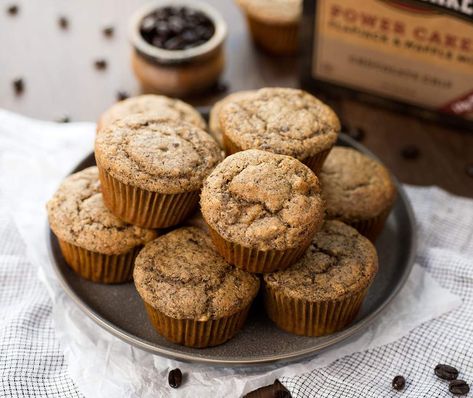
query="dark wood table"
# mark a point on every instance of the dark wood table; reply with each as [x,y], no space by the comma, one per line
[57,67]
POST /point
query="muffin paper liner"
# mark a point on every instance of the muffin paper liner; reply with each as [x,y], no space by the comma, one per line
[314,162]
[199,334]
[255,260]
[307,318]
[145,208]
[277,39]
[372,227]
[97,267]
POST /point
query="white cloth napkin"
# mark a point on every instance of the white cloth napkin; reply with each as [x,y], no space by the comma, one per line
[35,156]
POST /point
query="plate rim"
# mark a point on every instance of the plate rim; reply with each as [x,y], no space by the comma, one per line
[335,339]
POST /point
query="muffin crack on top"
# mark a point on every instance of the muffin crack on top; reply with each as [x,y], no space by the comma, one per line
[157,105]
[78,216]
[182,275]
[157,154]
[262,200]
[354,186]
[286,121]
[338,261]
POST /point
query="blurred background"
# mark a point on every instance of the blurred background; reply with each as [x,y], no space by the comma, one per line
[68,61]
[57,62]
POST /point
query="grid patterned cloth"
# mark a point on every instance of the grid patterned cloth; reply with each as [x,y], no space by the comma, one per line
[32,363]
[31,360]
[446,251]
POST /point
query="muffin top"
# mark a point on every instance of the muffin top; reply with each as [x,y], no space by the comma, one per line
[157,105]
[262,200]
[159,155]
[354,186]
[181,275]
[78,216]
[214,117]
[281,120]
[273,11]
[339,262]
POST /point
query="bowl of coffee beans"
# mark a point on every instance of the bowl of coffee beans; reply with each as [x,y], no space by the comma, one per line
[177,46]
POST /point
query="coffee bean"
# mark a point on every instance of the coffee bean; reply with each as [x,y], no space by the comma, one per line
[18,86]
[220,88]
[357,133]
[175,378]
[122,95]
[275,390]
[100,64]
[163,30]
[108,31]
[64,119]
[63,23]
[189,36]
[410,152]
[12,10]
[174,43]
[459,387]
[446,372]
[399,382]
[469,170]
[176,28]
[147,24]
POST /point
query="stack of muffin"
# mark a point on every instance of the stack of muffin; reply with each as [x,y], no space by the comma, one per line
[285,210]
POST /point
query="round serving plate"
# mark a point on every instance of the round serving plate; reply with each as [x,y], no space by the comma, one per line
[120,311]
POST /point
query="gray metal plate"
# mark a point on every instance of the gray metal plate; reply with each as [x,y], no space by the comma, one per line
[119,309]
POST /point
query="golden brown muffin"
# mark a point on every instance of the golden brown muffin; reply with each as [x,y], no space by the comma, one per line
[274,24]
[156,105]
[357,190]
[192,295]
[281,120]
[262,209]
[324,290]
[152,169]
[214,117]
[96,244]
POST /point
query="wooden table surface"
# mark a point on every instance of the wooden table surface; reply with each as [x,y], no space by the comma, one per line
[57,66]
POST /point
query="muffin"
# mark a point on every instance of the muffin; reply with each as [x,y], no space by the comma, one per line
[357,190]
[157,105]
[97,245]
[324,290]
[274,24]
[192,296]
[214,122]
[151,169]
[262,209]
[281,120]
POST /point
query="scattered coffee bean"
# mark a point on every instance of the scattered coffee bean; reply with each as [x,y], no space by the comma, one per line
[410,152]
[357,133]
[122,95]
[446,372]
[12,10]
[469,170]
[176,28]
[100,64]
[459,387]
[64,119]
[175,378]
[18,86]
[220,88]
[63,23]
[399,382]
[108,31]
[276,390]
